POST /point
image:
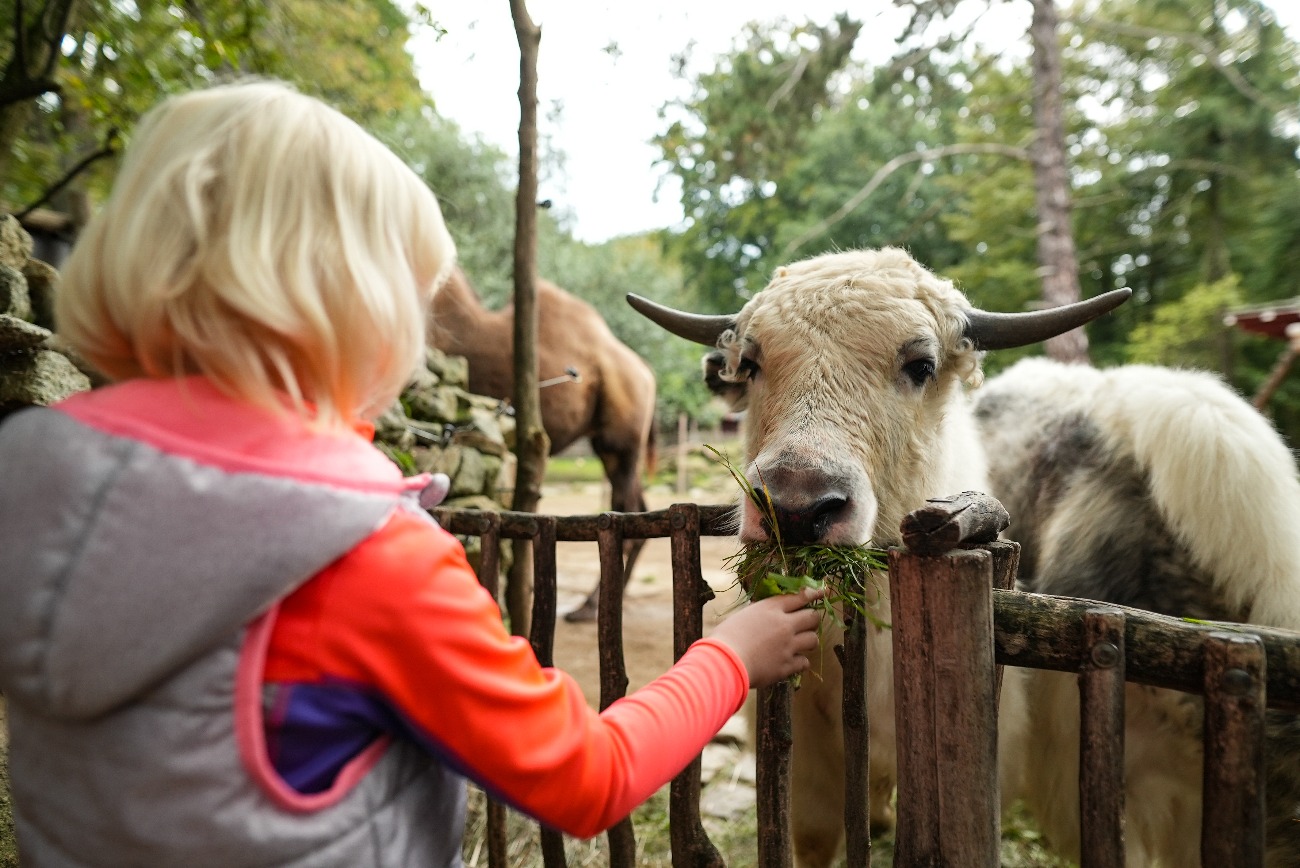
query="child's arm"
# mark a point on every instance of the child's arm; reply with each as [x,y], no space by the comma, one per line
[430,640]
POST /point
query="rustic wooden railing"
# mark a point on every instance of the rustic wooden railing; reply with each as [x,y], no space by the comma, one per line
[955,623]
[683,524]
[950,631]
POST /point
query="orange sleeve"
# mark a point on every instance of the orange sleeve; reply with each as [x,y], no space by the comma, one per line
[404,614]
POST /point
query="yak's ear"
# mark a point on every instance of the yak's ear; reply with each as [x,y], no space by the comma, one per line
[735,394]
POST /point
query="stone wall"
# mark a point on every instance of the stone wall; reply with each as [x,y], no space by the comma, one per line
[35,368]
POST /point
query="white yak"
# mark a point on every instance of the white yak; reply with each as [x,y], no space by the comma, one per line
[1142,486]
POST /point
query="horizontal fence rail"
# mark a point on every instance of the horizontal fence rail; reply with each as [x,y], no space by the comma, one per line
[1040,631]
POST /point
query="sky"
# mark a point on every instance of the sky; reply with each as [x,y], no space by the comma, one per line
[604,71]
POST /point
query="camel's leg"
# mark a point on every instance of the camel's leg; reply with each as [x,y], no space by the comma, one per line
[626,495]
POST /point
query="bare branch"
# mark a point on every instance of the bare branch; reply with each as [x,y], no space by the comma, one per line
[882,174]
[20,37]
[108,149]
[54,24]
[27,89]
[20,82]
[800,64]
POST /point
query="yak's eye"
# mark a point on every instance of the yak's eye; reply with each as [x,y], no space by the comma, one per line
[919,371]
[746,368]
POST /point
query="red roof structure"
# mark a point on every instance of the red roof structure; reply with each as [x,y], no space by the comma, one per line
[1270,319]
[1276,319]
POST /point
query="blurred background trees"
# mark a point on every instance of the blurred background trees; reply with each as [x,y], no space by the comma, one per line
[1181,126]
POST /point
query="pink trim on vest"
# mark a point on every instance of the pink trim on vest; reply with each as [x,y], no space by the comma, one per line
[192,418]
[251,734]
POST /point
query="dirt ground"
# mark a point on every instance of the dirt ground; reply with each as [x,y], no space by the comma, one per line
[647,605]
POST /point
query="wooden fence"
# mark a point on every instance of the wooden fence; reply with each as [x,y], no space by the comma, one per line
[955,624]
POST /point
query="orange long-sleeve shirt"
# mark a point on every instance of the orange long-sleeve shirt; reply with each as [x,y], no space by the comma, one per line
[403,619]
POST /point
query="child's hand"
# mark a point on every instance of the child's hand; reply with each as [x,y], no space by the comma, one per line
[773,636]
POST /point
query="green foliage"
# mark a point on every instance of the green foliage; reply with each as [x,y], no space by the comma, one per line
[474,183]
[603,274]
[118,59]
[1196,97]
[475,186]
[1181,130]
[732,144]
[1188,332]
[1182,140]
[882,118]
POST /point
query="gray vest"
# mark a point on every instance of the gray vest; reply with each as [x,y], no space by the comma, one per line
[128,576]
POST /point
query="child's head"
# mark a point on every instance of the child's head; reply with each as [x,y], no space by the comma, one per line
[259,237]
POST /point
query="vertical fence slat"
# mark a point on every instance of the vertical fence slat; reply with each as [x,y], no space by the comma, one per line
[613,671]
[1232,823]
[916,831]
[543,641]
[857,742]
[545,592]
[489,559]
[691,847]
[772,776]
[489,576]
[1101,740]
[945,709]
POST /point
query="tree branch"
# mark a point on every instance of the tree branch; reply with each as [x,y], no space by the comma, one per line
[26,89]
[800,64]
[108,149]
[20,38]
[882,174]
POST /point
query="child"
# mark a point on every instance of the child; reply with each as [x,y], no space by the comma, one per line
[230,635]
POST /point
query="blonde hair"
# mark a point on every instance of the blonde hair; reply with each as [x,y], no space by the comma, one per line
[260,238]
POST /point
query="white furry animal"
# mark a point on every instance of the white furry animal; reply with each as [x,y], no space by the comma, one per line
[1162,490]
[853,366]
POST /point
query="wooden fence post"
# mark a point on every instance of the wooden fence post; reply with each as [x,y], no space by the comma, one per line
[1232,824]
[946,709]
[857,741]
[1101,739]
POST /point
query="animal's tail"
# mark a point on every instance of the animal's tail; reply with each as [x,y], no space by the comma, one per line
[651,449]
[1222,477]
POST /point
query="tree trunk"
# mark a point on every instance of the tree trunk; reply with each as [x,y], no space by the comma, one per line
[1057,260]
[531,443]
[37,36]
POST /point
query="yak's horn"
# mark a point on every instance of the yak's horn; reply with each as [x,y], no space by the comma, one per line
[1001,331]
[693,326]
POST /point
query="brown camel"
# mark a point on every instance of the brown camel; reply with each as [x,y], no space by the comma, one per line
[610,401]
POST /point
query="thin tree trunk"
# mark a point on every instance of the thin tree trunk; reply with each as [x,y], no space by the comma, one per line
[1057,260]
[531,443]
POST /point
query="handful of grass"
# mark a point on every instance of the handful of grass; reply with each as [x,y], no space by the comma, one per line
[770,567]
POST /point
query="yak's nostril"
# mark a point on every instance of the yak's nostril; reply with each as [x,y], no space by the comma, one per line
[808,523]
[825,512]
